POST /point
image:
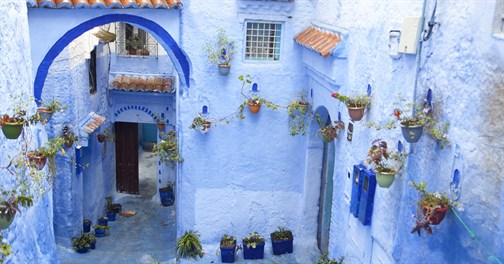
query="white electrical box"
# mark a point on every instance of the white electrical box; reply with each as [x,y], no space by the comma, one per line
[409,35]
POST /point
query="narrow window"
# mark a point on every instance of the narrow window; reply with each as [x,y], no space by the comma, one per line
[92,72]
[263,41]
[134,41]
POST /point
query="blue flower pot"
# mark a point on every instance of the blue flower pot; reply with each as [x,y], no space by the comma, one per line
[228,254]
[282,246]
[253,253]
[167,198]
[99,232]
[87,226]
[82,250]
[92,245]
[111,217]
[103,222]
[412,134]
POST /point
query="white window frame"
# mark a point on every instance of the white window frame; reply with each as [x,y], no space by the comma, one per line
[150,42]
[280,47]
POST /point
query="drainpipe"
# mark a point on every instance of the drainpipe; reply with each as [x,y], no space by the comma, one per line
[419,54]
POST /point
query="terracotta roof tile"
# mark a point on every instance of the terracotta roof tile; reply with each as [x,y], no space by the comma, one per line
[140,83]
[92,122]
[318,40]
[62,4]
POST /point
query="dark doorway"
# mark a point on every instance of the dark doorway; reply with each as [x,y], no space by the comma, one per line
[325,200]
[127,157]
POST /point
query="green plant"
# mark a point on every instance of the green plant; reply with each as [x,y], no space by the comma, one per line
[298,110]
[324,259]
[53,105]
[5,248]
[9,208]
[81,241]
[68,135]
[281,234]
[189,245]
[106,135]
[253,240]
[134,42]
[101,227]
[49,150]
[353,101]
[90,237]
[227,241]
[168,187]
[168,150]
[221,49]
[383,159]
[432,200]
[200,121]
[330,132]
[252,100]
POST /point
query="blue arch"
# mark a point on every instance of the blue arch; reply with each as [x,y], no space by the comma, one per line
[167,42]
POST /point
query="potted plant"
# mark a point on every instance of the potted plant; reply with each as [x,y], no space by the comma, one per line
[253,101]
[8,210]
[133,43]
[105,135]
[5,249]
[355,104]
[432,208]
[297,111]
[168,150]
[386,163]
[111,213]
[49,151]
[81,243]
[189,245]
[228,248]
[281,240]
[324,259]
[329,132]
[101,230]
[220,51]
[48,109]
[166,194]
[253,246]
[202,123]
[91,239]
[12,126]
[86,225]
[69,136]
[103,221]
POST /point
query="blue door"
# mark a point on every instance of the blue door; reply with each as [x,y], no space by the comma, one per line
[149,133]
[325,200]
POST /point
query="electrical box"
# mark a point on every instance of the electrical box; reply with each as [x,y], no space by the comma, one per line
[409,35]
[367,193]
[356,189]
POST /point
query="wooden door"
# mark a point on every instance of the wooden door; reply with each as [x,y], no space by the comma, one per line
[127,157]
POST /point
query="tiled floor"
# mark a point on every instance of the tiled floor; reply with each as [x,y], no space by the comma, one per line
[139,239]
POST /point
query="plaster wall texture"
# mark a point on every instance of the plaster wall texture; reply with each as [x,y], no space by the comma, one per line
[463,65]
[256,160]
[28,236]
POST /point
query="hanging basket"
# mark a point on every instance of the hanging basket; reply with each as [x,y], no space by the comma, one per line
[412,133]
[254,108]
[434,215]
[36,160]
[12,130]
[356,113]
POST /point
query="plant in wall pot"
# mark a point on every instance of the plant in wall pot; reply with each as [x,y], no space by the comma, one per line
[220,51]
[282,241]
[133,44]
[253,100]
[386,163]
[168,150]
[105,135]
[355,104]
[298,111]
[253,246]
[330,132]
[227,248]
[12,126]
[49,150]
[432,208]
[189,245]
[8,210]
[166,194]
[202,123]
[48,109]
[69,136]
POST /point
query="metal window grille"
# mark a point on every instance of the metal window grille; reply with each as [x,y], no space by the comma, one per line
[146,45]
[263,41]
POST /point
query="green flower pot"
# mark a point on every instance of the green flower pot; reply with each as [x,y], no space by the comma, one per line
[385,179]
[303,108]
[12,130]
[5,221]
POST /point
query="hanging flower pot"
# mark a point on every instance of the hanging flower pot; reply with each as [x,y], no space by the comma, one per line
[412,133]
[385,178]
[36,160]
[224,69]
[303,107]
[254,107]
[356,113]
[101,138]
[434,215]
[161,126]
[69,142]
[205,127]
[8,211]
[5,219]
[12,130]
[45,114]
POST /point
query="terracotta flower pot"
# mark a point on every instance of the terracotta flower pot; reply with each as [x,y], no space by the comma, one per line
[161,126]
[204,128]
[254,108]
[434,216]
[101,138]
[36,160]
[68,142]
[132,51]
[12,130]
[385,178]
[412,133]
[356,113]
